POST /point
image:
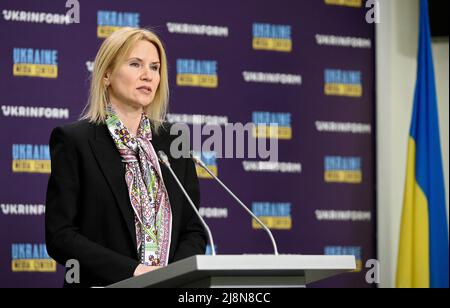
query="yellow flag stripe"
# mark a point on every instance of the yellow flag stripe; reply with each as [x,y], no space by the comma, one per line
[413,269]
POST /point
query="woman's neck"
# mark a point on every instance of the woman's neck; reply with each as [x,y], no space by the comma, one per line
[129,115]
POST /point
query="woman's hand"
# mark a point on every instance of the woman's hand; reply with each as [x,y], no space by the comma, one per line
[143,269]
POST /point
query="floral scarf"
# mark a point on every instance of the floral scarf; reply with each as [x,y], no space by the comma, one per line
[147,192]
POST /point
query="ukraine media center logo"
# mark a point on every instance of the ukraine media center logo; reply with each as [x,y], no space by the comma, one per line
[208,251]
[197,73]
[31,258]
[343,83]
[339,169]
[346,251]
[275,215]
[272,125]
[35,62]
[31,158]
[272,37]
[110,21]
[210,160]
[350,3]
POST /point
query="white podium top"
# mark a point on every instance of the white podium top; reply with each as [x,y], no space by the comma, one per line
[307,268]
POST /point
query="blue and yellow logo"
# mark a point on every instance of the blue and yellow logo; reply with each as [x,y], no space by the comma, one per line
[273,215]
[110,21]
[35,62]
[343,83]
[350,3]
[31,158]
[272,125]
[197,73]
[272,37]
[210,160]
[31,258]
[208,251]
[346,251]
[340,169]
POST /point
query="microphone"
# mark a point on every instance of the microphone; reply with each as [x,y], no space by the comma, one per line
[202,164]
[165,161]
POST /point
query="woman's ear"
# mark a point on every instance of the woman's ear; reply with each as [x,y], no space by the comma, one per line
[106,79]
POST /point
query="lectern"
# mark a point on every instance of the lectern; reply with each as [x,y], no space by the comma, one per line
[243,271]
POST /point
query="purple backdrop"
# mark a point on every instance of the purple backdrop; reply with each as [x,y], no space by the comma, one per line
[332,133]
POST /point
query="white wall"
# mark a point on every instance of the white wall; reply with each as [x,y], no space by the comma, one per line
[397,39]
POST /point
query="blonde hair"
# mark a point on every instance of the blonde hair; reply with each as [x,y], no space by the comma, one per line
[112,52]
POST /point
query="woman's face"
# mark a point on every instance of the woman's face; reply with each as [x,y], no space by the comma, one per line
[136,80]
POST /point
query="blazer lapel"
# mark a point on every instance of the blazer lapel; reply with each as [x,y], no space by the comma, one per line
[111,164]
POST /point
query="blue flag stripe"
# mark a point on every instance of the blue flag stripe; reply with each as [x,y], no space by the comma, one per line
[429,171]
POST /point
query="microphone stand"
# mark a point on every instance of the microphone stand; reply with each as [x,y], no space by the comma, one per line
[201,164]
[165,161]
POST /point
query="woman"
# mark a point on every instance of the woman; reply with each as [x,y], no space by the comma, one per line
[110,205]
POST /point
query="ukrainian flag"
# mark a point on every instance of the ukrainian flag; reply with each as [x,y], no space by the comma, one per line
[423,259]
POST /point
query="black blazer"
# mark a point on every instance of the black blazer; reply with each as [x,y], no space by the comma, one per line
[88,212]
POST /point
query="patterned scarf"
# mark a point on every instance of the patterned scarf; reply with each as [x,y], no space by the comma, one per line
[148,195]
